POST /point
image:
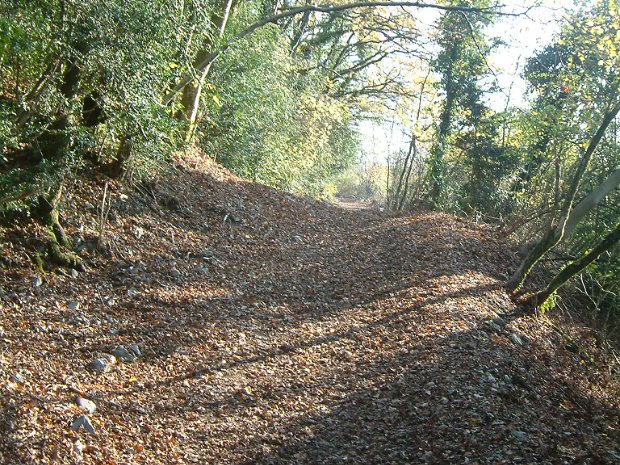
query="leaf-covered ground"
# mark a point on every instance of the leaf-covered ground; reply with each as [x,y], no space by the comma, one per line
[275,329]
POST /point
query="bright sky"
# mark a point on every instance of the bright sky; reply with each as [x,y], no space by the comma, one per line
[523,36]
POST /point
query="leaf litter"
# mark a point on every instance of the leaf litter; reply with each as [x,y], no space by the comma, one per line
[253,327]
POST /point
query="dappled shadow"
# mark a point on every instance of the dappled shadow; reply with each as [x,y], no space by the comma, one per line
[433,397]
[304,333]
[464,405]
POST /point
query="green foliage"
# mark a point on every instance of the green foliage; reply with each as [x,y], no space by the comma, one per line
[83,82]
[130,46]
[549,303]
[289,135]
[461,64]
[574,81]
[487,167]
[110,54]
[264,118]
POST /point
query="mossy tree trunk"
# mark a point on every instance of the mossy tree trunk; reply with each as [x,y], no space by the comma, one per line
[56,146]
[117,168]
[542,298]
[54,141]
[59,244]
[559,231]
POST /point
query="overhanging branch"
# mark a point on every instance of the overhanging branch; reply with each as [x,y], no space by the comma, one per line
[211,57]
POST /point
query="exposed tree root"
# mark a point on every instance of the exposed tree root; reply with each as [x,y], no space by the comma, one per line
[48,211]
[64,259]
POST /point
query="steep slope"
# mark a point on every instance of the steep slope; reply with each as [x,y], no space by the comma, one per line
[275,329]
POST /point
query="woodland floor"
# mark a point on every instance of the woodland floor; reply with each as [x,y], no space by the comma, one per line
[281,330]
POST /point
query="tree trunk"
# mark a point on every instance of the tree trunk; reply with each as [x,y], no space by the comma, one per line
[190,100]
[301,28]
[33,95]
[556,233]
[403,197]
[54,142]
[439,148]
[48,211]
[591,201]
[414,144]
[396,201]
[118,167]
[542,298]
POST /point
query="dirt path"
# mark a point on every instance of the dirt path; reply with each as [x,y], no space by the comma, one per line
[352,204]
[280,330]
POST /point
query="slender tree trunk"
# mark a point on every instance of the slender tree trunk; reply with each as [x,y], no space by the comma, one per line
[413,146]
[476,183]
[301,29]
[387,179]
[403,197]
[399,186]
[541,298]
[190,100]
[591,201]
[33,95]
[556,233]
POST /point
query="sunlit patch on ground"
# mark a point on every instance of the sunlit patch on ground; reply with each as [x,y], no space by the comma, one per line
[302,333]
